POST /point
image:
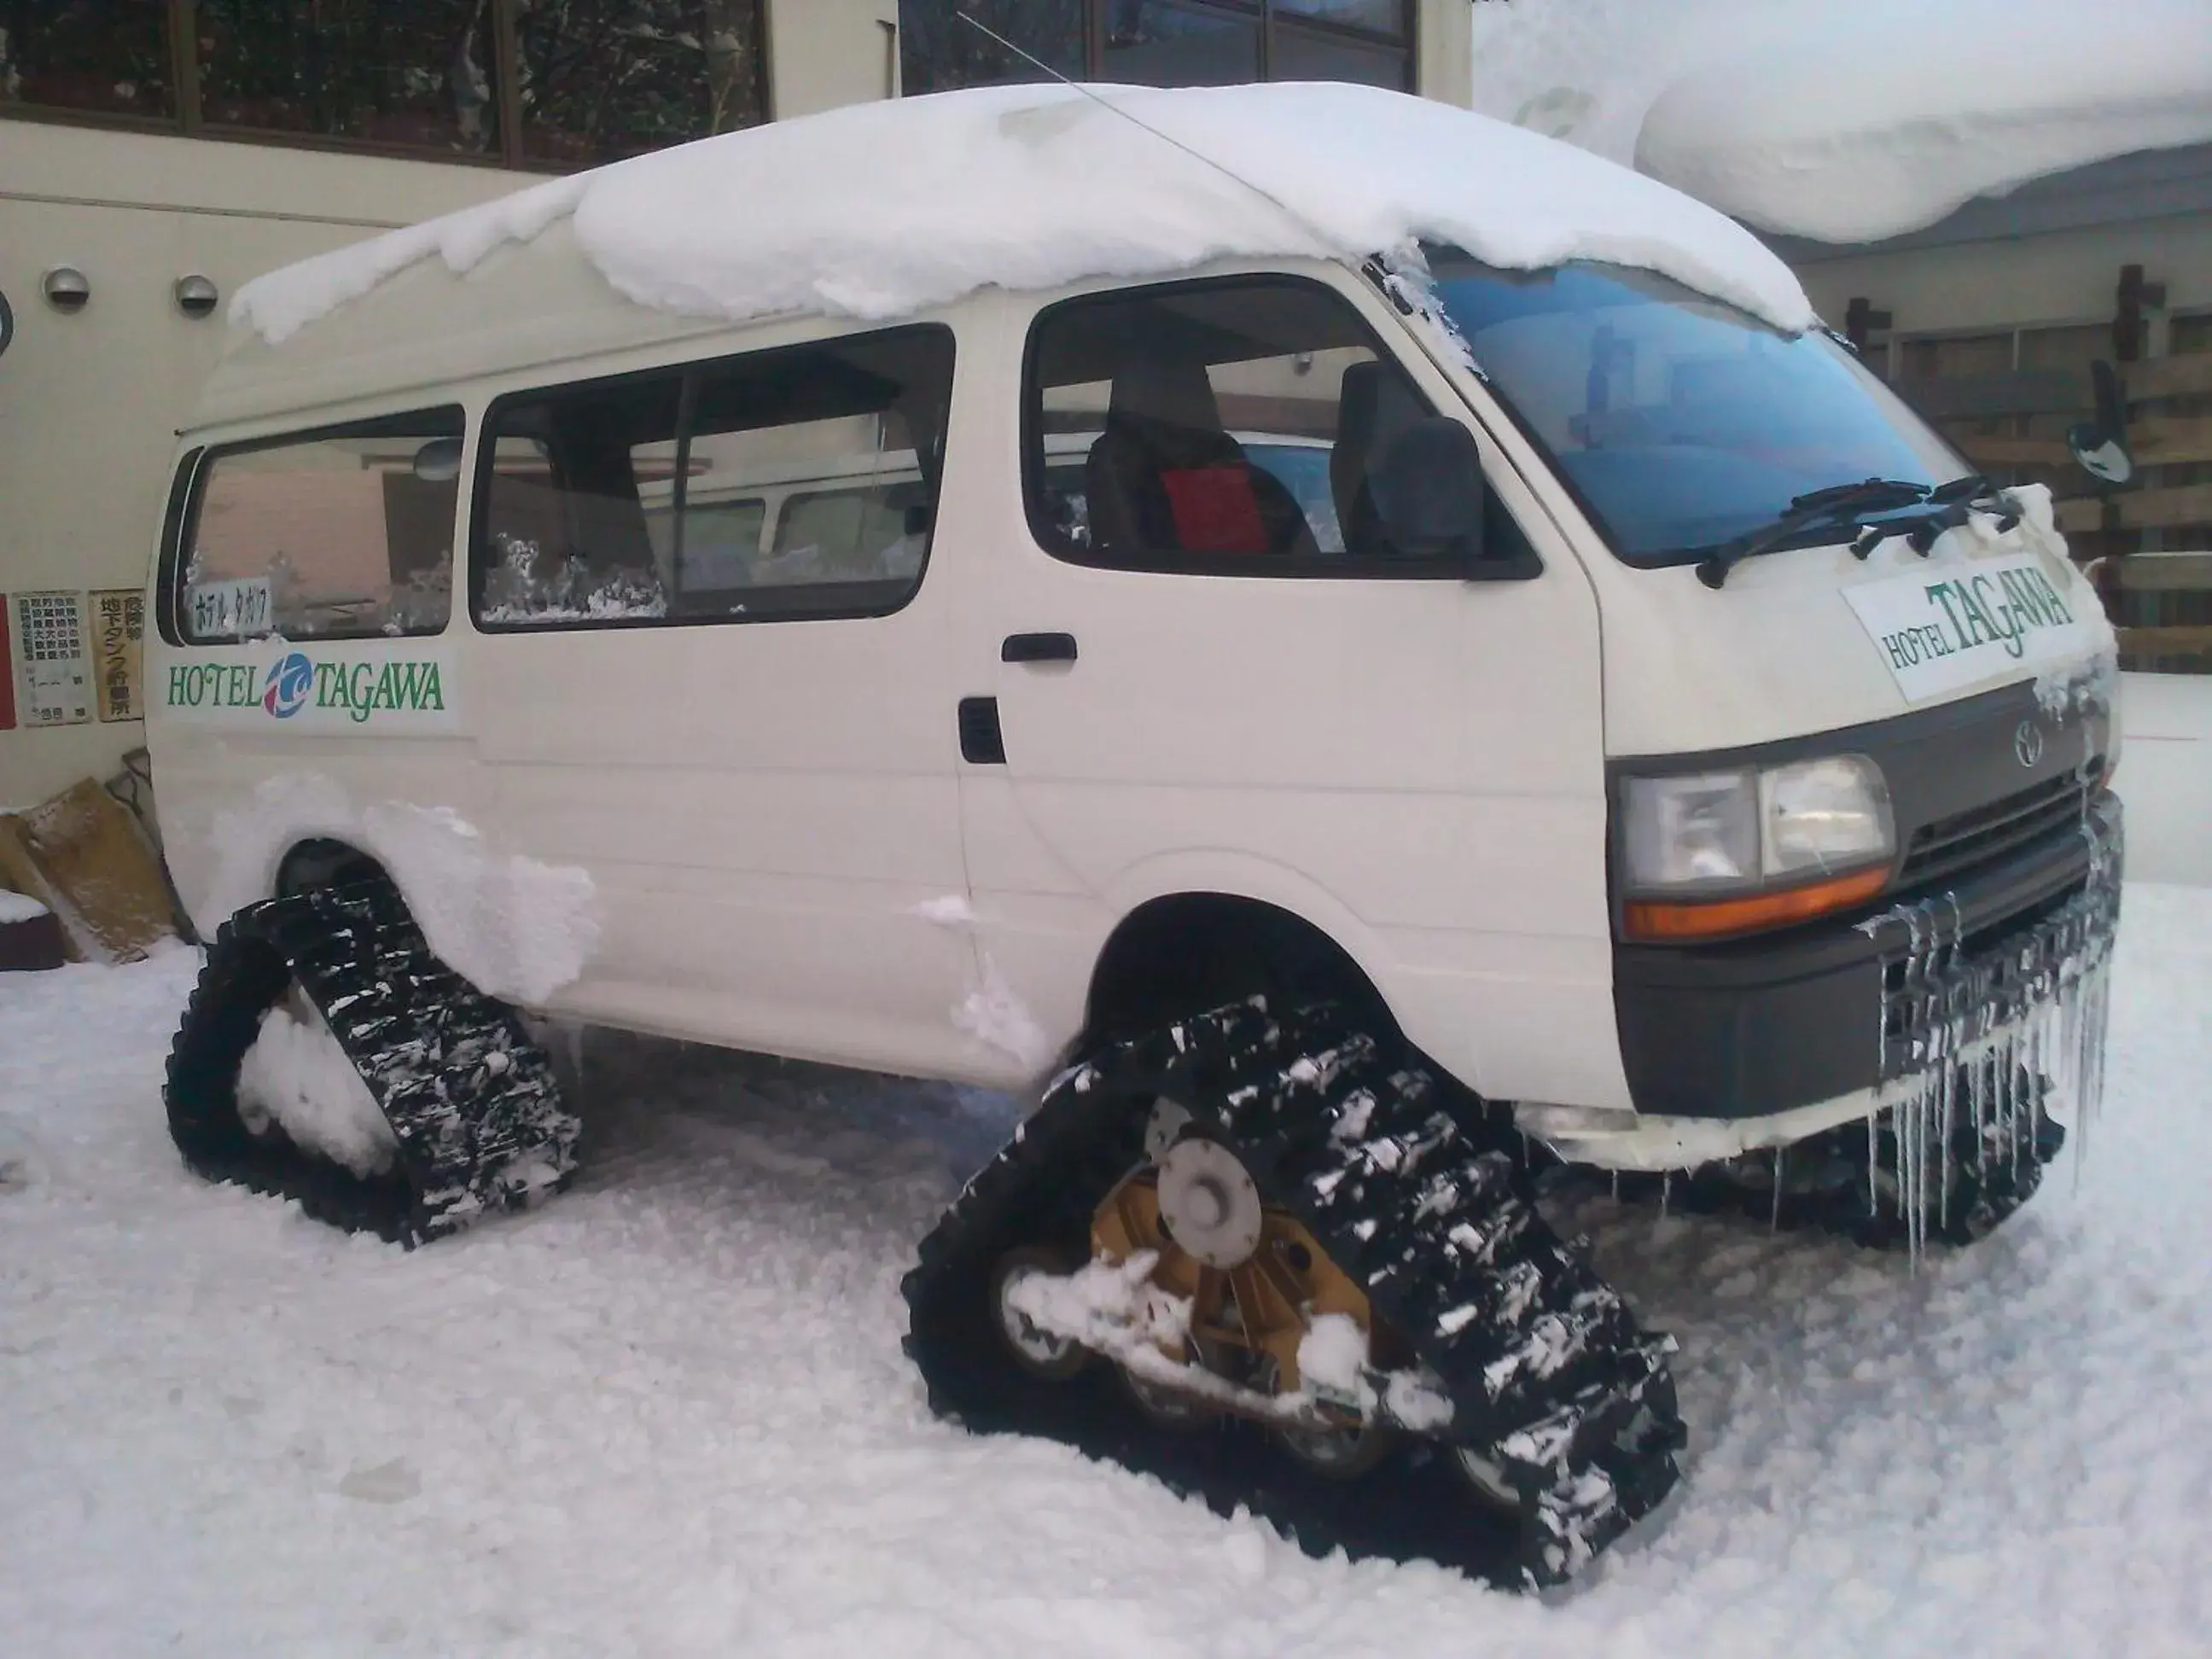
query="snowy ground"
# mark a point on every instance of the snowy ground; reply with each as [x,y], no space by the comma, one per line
[668,1415]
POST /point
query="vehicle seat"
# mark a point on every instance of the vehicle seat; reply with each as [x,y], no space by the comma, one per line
[1376,406]
[1165,476]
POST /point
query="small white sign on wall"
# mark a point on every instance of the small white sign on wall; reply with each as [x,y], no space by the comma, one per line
[53,671]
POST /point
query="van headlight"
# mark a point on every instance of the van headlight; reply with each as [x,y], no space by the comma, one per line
[1776,836]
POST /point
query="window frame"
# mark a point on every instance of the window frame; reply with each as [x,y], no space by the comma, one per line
[187,491]
[1324,567]
[487,446]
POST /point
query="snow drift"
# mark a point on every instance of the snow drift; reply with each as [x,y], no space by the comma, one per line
[878,210]
[1850,120]
[513,927]
[1821,136]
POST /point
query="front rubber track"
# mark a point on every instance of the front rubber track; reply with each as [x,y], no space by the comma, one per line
[1406,1184]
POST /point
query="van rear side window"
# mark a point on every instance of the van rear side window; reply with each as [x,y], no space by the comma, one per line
[346,533]
[797,483]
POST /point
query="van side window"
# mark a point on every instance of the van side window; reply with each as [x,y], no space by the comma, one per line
[1217,426]
[346,533]
[796,482]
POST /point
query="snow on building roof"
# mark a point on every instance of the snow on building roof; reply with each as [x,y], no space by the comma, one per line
[1851,120]
[879,210]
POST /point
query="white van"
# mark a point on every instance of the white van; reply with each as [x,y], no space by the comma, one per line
[1351,640]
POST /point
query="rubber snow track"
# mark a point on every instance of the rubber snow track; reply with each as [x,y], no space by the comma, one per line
[471,1100]
[667,1416]
[1547,1374]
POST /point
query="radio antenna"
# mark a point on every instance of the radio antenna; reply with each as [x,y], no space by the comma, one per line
[1200,156]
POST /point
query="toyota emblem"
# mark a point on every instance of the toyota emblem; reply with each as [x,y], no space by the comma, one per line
[2027,744]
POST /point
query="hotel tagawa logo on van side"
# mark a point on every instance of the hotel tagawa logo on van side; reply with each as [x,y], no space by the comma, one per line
[295,681]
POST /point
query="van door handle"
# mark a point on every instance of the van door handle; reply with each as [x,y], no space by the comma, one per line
[1038,647]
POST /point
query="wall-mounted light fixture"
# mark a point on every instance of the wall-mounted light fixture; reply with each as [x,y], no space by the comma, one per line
[66,290]
[195,295]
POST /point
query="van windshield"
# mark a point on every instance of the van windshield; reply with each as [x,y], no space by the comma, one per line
[1679,422]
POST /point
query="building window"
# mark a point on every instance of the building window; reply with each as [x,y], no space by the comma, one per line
[106,58]
[938,52]
[599,80]
[413,74]
[790,483]
[1163,43]
[538,84]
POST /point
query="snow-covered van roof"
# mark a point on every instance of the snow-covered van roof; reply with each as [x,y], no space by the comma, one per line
[882,211]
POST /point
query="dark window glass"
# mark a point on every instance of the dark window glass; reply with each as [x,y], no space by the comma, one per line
[1298,54]
[603,79]
[1381,16]
[346,533]
[1161,43]
[108,57]
[415,73]
[938,52]
[1216,428]
[790,483]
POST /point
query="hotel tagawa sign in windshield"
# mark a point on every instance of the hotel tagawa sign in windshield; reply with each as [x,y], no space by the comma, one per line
[363,684]
[1946,627]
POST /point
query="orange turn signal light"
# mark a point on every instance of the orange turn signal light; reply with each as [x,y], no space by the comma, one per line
[1715,918]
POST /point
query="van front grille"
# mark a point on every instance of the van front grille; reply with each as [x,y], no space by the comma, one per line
[1983,835]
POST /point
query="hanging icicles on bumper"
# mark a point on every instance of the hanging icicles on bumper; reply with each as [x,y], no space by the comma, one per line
[1992,1050]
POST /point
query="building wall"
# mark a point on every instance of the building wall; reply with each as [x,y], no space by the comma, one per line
[2064,275]
[1444,41]
[824,53]
[89,402]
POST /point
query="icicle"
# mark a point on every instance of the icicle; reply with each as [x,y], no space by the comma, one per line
[1666,1192]
[1978,1097]
[1616,1186]
[1774,1221]
[1874,1162]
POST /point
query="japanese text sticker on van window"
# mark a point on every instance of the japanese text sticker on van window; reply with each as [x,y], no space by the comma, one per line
[229,609]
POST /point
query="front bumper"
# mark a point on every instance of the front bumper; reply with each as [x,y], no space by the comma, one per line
[1760,1027]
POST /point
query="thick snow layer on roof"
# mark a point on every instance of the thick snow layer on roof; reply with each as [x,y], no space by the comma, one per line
[878,210]
[1850,120]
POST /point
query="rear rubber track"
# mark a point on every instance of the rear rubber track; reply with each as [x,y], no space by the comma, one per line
[471,1100]
[1401,1178]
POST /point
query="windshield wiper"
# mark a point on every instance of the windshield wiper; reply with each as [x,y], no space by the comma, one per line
[1851,502]
[1947,506]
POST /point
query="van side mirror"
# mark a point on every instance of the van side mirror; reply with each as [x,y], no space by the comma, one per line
[1429,495]
[2100,447]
